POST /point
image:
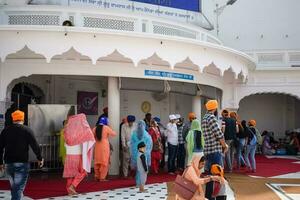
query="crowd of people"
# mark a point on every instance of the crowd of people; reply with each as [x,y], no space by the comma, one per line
[197,148]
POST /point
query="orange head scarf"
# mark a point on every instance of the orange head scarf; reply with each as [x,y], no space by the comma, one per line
[217,170]
[18,116]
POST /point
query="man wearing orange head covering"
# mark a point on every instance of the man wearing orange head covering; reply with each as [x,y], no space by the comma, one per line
[214,142]
[15,141]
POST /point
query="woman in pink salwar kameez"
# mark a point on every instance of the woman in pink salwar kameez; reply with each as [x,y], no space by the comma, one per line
[192,173]
[79,142]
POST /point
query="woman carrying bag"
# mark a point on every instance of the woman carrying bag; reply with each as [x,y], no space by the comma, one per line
[192,181]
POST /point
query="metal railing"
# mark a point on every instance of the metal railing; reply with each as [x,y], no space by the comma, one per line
[276,59]
[91,19]
[49,146]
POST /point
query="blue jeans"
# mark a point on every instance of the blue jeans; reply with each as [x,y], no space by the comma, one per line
[229,155]
[17,174]
[214,158]
[172,152]
[250,149]
[239,151]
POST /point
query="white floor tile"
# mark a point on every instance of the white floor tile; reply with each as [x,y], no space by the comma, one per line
[295,175]
[155,192]
[5,194]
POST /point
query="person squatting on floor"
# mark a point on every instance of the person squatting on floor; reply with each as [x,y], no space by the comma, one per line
[142,168]
[193,173]
[79,141]
[102,148]
[214,142]
[15,140]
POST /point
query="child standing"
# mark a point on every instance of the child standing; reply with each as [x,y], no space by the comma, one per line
[142,168]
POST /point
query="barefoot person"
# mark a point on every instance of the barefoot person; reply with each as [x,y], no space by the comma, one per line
[138,136]
[102,148]
[142,168]
[193,173]
[79,141]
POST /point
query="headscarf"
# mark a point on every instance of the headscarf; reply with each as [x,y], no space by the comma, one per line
[195,164]
[140,135]
[140,129]
[217,170]
[195,126]
[77,130]
[103,121]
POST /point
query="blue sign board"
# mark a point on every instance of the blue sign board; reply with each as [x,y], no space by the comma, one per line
[169,75]
[191,5]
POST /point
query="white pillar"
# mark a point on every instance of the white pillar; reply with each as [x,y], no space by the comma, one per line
[3,102]
[197,106]
[114,121]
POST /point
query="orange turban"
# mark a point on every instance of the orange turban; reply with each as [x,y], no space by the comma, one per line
[192,116]
[17,115]
[211,105]
[252,122]
[217,170]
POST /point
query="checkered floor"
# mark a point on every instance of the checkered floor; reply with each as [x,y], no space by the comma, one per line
[154,191]
[4,194]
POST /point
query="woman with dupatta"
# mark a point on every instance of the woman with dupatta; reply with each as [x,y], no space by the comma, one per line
[79,142]
[193,172]
[195,140]
[140,135]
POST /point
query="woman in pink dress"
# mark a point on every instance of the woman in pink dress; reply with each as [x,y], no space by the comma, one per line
[157,146]
[193,172]
[102,148]
[79,142]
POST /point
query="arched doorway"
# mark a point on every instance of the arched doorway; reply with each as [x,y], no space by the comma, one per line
[23,94]
[276,112]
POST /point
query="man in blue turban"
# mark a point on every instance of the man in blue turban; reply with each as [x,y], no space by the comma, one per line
[140,135]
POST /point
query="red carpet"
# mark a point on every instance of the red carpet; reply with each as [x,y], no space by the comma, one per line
[266,167]
[52,185]
[38,188]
